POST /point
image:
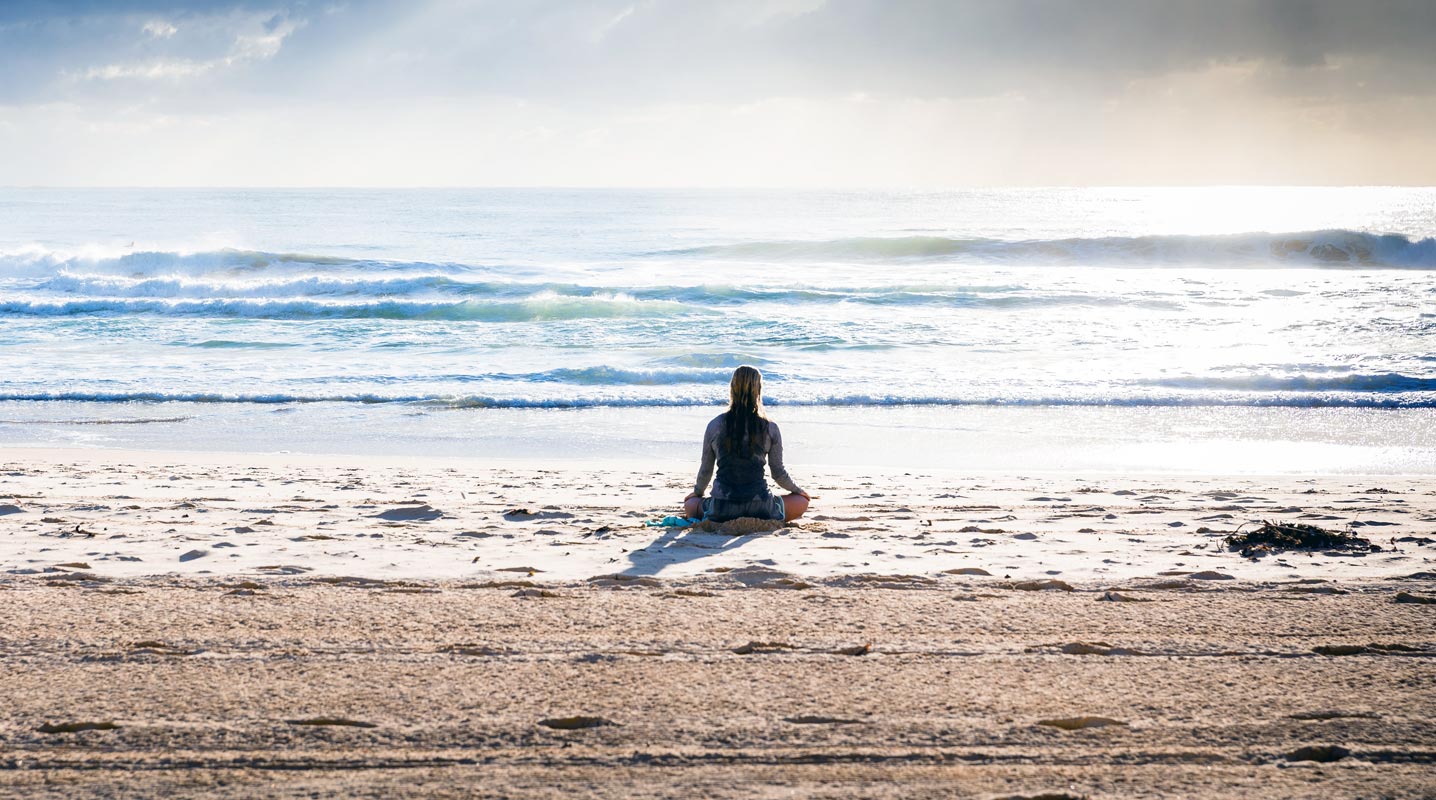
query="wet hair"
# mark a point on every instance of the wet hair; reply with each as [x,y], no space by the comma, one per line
[744,424]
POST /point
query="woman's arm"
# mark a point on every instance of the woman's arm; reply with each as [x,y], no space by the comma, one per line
[775,461]
[710,455]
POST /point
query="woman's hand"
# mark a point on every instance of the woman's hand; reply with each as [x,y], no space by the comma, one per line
[691,495]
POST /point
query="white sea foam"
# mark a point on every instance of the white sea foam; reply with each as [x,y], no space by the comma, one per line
[544,306]
[1327,248]
[575,300]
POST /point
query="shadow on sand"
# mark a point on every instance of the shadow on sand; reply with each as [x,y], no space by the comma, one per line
[680,545]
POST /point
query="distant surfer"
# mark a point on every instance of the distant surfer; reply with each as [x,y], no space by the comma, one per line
[739,441]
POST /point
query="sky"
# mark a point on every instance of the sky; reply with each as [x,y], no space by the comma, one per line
[658,93]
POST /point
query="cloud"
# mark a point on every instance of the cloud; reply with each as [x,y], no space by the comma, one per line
[157,69]
[159,29]
[772,92]
[256,40]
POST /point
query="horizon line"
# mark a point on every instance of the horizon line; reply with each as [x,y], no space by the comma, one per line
[745,188]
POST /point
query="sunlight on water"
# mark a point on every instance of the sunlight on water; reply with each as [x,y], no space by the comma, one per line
[1235,297]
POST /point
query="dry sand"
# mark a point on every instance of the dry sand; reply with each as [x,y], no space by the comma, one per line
[287,626]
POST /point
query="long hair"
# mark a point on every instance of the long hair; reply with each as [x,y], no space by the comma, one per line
[744,425]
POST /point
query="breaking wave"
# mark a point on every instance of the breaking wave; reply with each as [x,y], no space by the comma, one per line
[541,307]
[1328,248]
[464,401]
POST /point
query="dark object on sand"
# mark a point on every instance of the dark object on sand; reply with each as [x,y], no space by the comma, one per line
[1324,754]
[575,723]
[1407,597]
[1272,537]
[339,722]
[76,727]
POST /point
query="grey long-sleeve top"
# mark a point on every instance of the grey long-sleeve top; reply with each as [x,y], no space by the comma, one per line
[714,432]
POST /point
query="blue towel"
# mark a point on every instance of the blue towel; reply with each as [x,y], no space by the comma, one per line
[673,522]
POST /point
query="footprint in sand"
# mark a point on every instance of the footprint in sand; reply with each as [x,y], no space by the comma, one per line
[423,512]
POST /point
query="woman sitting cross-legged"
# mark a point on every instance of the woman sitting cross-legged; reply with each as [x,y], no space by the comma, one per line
[740,440]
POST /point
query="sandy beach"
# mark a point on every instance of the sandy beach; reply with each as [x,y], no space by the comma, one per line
[277,625]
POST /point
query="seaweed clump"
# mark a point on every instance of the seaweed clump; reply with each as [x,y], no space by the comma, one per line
[1271,537]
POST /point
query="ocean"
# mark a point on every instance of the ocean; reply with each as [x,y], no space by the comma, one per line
[1280,329]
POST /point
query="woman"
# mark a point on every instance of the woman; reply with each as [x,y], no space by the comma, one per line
[739,440]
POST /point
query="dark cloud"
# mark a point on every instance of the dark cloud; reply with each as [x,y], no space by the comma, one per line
[640,51]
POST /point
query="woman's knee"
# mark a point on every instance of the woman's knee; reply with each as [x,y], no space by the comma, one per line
[793,506]
[693,506]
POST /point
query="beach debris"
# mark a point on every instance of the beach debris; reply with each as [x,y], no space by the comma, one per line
[1320,753]
[855,650]
[1079,723]
[967,571]
[808,719]
[1045,585]
[1210,575]
[193,554]
[409,512]
[1118,597]
[1407,597]
[1271,537]
[339,722]
[74,565]
[10,508]
[535,593]
[575,723]
[76,727]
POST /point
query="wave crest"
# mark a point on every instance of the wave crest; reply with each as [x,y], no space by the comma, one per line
[539,308]
[1328,248]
